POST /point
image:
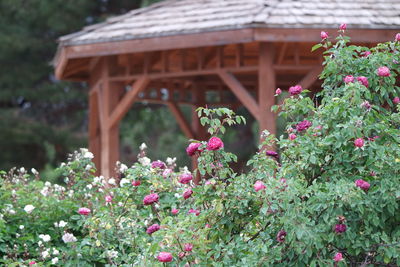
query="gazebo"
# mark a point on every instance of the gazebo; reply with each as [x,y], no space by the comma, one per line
[196,52]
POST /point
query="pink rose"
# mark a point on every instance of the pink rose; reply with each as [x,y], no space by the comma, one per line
[363,80]
[366,105]
[340,228]
[214,143]
[164,257]
[280,237]
[295,90]
[188,193]
[32,262]
[359,142]
[208,226]
[185,178]
[174,211]
[84,211]
[194,211]
[136,182]
[166,173]
[181,254]
[271,153]
[304,125]
[292,136]
[188,247]
[193,148]
[383,71]
[362,184]
[108,198]
[396,100]
[338,257]
[372,139]
[366,53]
[348,79]
[258,185]
[278,91]
[153,228]
[343,26]
[324,35]
[397,37]
[158,165]
[150,199]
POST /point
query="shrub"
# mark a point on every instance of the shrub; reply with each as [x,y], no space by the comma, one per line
[329,196]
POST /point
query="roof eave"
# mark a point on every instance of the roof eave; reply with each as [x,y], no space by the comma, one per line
[244,34]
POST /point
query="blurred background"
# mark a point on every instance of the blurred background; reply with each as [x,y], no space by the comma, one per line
[42,119]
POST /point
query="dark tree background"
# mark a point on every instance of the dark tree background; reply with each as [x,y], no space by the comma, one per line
[42,119]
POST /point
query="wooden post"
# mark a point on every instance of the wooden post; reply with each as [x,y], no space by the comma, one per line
[110,93]
[94,113]
[266,88]
[94,130]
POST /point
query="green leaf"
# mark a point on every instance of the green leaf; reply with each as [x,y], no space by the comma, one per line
[315,47]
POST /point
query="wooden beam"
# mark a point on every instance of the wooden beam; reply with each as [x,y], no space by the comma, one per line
[311,77]
[127,100]
[313,35]
[180,118]
[241,93]
[266,88]
[187,73]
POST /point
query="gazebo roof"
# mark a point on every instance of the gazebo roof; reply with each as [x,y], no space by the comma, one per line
[185,24]
[177,17]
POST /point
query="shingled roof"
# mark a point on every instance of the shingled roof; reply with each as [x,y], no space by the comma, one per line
[176,17]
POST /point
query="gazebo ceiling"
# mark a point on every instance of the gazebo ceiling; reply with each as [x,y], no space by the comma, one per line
[177,24]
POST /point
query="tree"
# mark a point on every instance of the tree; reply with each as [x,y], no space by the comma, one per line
[43,119]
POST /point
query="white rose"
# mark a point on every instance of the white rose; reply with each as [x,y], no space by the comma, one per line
[69,238]
[170,161]
[123,182]
[111,181]
[21,227]
[45,254]
[55,251]
[123,168]
[44,191]
[54,260]
[29,208]
[45,238]
[34,171]
[62,223]
[145,161]
[88,155]
[143,146]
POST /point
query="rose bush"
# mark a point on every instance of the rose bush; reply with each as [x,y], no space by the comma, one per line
[328,196]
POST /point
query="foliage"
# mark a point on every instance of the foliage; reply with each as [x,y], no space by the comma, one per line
[332,190]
